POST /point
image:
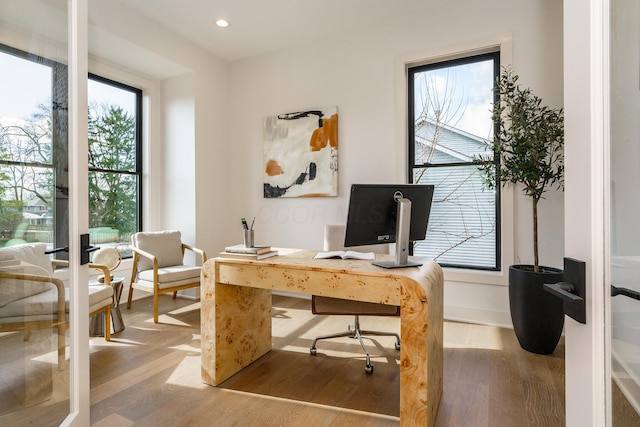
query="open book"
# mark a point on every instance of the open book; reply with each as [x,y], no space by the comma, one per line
[346,255]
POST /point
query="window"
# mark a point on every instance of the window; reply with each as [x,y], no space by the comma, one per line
[115,166]
[449,126]
[30,178]
[33,153]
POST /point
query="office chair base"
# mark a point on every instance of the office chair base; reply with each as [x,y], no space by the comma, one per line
[354,331]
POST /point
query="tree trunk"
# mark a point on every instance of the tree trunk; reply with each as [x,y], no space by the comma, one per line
[536,263]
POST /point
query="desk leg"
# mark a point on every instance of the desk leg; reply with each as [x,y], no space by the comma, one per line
[235,327]
[421,357]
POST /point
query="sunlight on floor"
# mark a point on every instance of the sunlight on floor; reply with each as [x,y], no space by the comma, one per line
[145,329]
[187,374]
[115,341]
[186,309]
[50,357]
[166,319]
[192,348]
[465,335]
[456,335]
[313,405]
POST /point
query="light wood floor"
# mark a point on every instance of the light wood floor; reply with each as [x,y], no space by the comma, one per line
[149,375]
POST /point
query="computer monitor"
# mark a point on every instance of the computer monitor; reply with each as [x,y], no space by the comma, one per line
[389,213]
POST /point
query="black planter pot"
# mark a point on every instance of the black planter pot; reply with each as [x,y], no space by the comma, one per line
[537,316]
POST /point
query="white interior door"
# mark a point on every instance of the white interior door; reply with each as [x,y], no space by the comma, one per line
[44,369]
[624,230]
[586,179]
[602,207]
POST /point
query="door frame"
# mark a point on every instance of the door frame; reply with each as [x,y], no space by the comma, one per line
[78,213]
[586,205]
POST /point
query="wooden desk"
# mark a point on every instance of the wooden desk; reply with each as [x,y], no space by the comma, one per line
[236,315]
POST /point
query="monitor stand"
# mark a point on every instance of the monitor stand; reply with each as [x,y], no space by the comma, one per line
[403,223]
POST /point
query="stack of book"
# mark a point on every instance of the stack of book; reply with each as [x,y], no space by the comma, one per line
[252,252]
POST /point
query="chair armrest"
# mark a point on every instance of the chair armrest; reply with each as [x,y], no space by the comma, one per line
[202,254]
[146,255]
[44,279]
[105,270]
[59,263]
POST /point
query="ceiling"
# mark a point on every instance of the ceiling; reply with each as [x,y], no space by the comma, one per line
[262,26]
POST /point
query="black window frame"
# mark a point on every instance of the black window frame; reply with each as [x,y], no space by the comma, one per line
[59,132]
[412,165]
[138,138]
[60,138]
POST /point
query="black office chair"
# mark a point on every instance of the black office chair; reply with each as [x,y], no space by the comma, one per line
[334,241]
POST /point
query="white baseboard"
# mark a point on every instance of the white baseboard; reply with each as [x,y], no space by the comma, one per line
[478,316]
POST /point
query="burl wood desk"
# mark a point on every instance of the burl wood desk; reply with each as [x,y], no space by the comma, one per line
[236,315]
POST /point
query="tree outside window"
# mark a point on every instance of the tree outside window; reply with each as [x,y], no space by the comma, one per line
[32,187]
[449,124]
[114,162]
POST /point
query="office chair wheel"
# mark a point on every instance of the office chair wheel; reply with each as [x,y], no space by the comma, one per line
[312,351]
[398,346]
[368,369]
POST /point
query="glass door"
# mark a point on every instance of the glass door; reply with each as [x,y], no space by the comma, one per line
[43,344]
[625,210]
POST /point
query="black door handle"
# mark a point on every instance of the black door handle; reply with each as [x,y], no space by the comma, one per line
[572,289]
[56,250]
[624,291]
[85,249]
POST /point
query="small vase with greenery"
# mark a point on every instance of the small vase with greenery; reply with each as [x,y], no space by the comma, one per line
[528,144]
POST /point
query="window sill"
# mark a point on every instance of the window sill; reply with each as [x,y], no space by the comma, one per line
[496,278]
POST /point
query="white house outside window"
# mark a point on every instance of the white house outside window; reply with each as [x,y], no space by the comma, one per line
[449,125]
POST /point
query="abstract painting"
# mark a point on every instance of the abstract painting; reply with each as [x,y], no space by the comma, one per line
[301,154]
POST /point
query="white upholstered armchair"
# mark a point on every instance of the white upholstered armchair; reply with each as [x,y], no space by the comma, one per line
[158,265]
[32,298]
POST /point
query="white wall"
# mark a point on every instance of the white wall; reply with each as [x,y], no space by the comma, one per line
[178,167]
[355,72]
[186,121]
[185,156]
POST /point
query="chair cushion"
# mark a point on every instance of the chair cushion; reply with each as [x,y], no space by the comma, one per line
[44,305]
[99,297]
[31,253]
[16,289]
[148,286]
[172,274]
[328,305]
[166,246]
[31,259]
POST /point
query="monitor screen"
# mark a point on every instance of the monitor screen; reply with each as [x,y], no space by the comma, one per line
[373,212]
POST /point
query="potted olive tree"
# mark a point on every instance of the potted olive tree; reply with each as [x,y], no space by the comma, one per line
[529,143]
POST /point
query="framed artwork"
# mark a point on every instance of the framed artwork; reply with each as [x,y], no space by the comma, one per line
[301,154]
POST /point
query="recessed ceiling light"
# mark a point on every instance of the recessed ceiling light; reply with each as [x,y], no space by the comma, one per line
[222,23]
